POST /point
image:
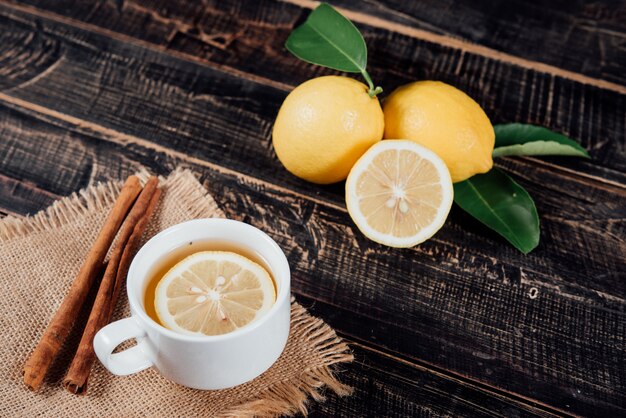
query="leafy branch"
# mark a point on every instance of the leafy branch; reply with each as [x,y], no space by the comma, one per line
[496,200]
[328,39]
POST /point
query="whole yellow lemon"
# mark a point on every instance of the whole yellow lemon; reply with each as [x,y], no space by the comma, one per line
[324,126]
[445,120]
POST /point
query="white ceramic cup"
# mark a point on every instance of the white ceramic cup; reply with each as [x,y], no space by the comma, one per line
[200,362]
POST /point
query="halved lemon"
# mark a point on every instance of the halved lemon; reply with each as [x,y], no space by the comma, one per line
[399,193]
[213,293]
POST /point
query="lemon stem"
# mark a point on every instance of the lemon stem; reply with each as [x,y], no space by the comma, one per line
[373,91]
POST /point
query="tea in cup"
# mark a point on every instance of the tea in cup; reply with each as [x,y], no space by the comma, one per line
[209,288]
[210,306]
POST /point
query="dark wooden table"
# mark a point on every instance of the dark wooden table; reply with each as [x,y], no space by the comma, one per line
[461,325]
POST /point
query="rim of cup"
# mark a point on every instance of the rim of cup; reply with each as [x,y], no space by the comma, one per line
[137,308]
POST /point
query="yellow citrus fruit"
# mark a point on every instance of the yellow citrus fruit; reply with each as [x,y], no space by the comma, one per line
[399,193]
[445,120]
[324,126]
[212,293]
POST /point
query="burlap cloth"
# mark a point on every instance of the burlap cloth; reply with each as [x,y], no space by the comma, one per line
[40,256]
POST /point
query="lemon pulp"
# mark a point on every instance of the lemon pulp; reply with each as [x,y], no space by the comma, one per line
[399,193]
[213,293]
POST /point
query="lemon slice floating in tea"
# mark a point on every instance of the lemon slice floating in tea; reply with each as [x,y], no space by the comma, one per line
[399,193]
[213,293]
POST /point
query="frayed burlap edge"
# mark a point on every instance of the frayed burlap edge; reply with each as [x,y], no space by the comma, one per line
[101,196]
[61,212]
[291,396]
[285,398]
[184,185]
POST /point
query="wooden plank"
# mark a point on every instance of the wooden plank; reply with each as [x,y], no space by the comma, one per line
[22,197]
[248,38]
[377,382]
[206,113]
[493,29]
[179,107]
[597,205]
[557,247]
[578,36]
[546,327]
[389,388]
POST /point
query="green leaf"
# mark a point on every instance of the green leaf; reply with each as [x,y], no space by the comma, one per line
[522,139]
[499,202]
[329,39]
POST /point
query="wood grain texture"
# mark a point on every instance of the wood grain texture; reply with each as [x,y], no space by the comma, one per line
[93,91]
[579,36]
[384,386]
[247,39]
[390,391]
[530,325]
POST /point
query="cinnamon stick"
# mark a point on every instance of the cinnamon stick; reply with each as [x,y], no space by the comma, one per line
[78,374]
[130,250]
[42,357]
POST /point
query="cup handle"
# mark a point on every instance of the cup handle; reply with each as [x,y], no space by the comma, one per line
[129,361]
